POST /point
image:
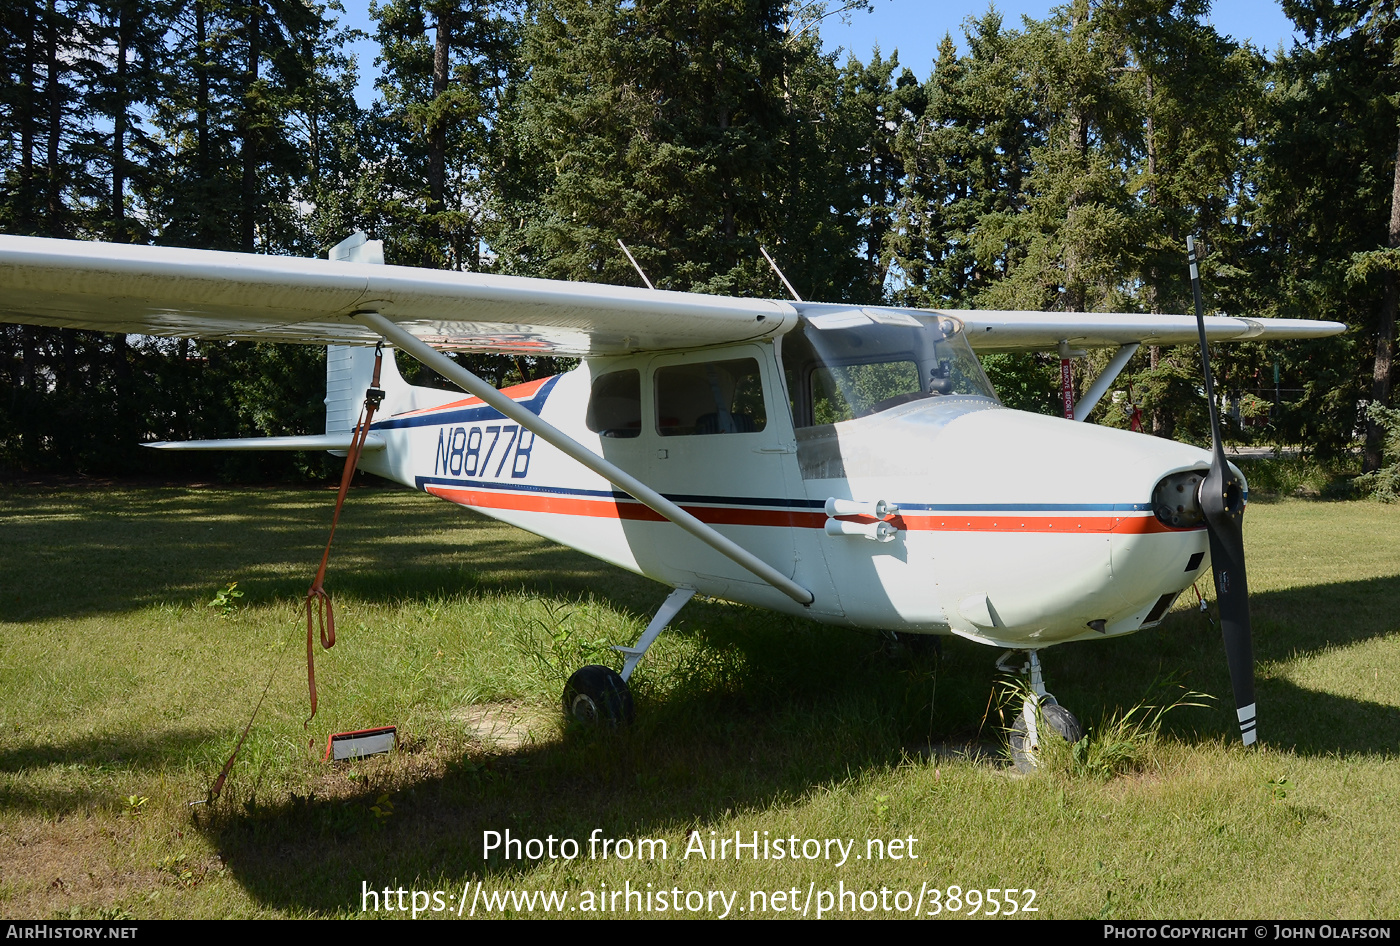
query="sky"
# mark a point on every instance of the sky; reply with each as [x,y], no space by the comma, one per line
[915,28]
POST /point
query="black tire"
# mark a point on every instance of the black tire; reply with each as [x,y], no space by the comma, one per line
[1057,719]
[597,695]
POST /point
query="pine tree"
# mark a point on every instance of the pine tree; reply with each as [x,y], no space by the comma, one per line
[658,122]
[1328,190]
[447,68]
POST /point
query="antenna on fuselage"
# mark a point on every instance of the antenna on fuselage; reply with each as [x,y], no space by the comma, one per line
[635,264]
[779,272]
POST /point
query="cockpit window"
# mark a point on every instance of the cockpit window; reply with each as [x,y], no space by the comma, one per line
[713,397]
[853,363]
[846,392]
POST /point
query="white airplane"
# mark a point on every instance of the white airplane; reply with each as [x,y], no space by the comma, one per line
[849,464]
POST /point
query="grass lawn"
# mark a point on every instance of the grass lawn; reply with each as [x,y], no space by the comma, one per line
[122,693]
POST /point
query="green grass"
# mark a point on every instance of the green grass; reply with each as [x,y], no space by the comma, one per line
[118,683]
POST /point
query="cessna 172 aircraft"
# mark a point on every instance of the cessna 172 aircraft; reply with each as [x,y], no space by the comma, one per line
[850,464]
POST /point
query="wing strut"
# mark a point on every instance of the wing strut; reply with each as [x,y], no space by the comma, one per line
[408,342]
[1110,374]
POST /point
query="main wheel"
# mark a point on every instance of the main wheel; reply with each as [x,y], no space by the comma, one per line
[595,695]
[1052,716]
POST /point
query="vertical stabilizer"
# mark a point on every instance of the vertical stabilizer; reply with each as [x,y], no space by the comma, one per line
[349,369]
[358,248]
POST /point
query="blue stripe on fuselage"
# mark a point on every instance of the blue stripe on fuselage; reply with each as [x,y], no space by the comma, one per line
[466,415]
[422,482]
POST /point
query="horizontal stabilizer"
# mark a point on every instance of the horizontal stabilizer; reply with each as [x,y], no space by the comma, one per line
[340,441]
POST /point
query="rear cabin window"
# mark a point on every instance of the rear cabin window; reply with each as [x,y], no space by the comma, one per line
[615,404]
[714,397]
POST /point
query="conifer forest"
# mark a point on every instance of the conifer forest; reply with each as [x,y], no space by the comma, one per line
[1056,164]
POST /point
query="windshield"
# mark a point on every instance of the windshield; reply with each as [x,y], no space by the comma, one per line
[849,363]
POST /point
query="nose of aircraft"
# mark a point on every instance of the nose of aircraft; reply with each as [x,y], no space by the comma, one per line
[1040,459]
[1062,536]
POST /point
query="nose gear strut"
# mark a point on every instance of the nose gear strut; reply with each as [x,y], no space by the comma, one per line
[1039,711]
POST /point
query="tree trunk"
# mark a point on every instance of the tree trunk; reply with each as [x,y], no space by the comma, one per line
[26,133]
[250,134]
[437,133]
[731,229]
[1162,425]
[1385,336]
[204,222]
[119,233]
[54,190]
[1078,121]
[30,348]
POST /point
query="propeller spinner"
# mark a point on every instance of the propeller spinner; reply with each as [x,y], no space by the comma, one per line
[1222,503]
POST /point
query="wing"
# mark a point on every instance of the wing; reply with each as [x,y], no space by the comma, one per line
[152,290]
[200,293]
[990,330]
[996,330]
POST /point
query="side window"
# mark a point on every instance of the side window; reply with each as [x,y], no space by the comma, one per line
[615,404]
[715,397]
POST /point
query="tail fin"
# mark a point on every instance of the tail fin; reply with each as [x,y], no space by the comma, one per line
[349,371]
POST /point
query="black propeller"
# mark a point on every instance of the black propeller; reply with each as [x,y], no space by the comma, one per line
[1222,503]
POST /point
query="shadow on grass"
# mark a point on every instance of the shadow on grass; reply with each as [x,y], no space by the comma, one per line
[106,552]
[1187,651]
[768,717]
[768,711]
[727,741]
[1315,723]
[95,755]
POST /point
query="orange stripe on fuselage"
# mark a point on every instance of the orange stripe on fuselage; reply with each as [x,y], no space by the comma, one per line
[613,509]
[731,516]
[1119,525]
[516,392]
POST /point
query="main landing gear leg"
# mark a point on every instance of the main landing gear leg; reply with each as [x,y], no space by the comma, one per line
[597,694]
[1039,710]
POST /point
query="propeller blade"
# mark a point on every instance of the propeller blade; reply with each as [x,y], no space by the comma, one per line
[1222,502]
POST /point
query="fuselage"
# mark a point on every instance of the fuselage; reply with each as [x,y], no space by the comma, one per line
[1013,529]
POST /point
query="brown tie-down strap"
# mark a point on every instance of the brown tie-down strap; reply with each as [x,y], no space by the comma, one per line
[319,612]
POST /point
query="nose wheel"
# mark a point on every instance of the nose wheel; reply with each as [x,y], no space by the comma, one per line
[1028,731]
[1040,715]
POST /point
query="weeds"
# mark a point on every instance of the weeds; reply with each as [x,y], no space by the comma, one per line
[176,866]
[382,809]
[1125,742]
[559,649]
[226,601]
[1280,787]
[1122,743]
